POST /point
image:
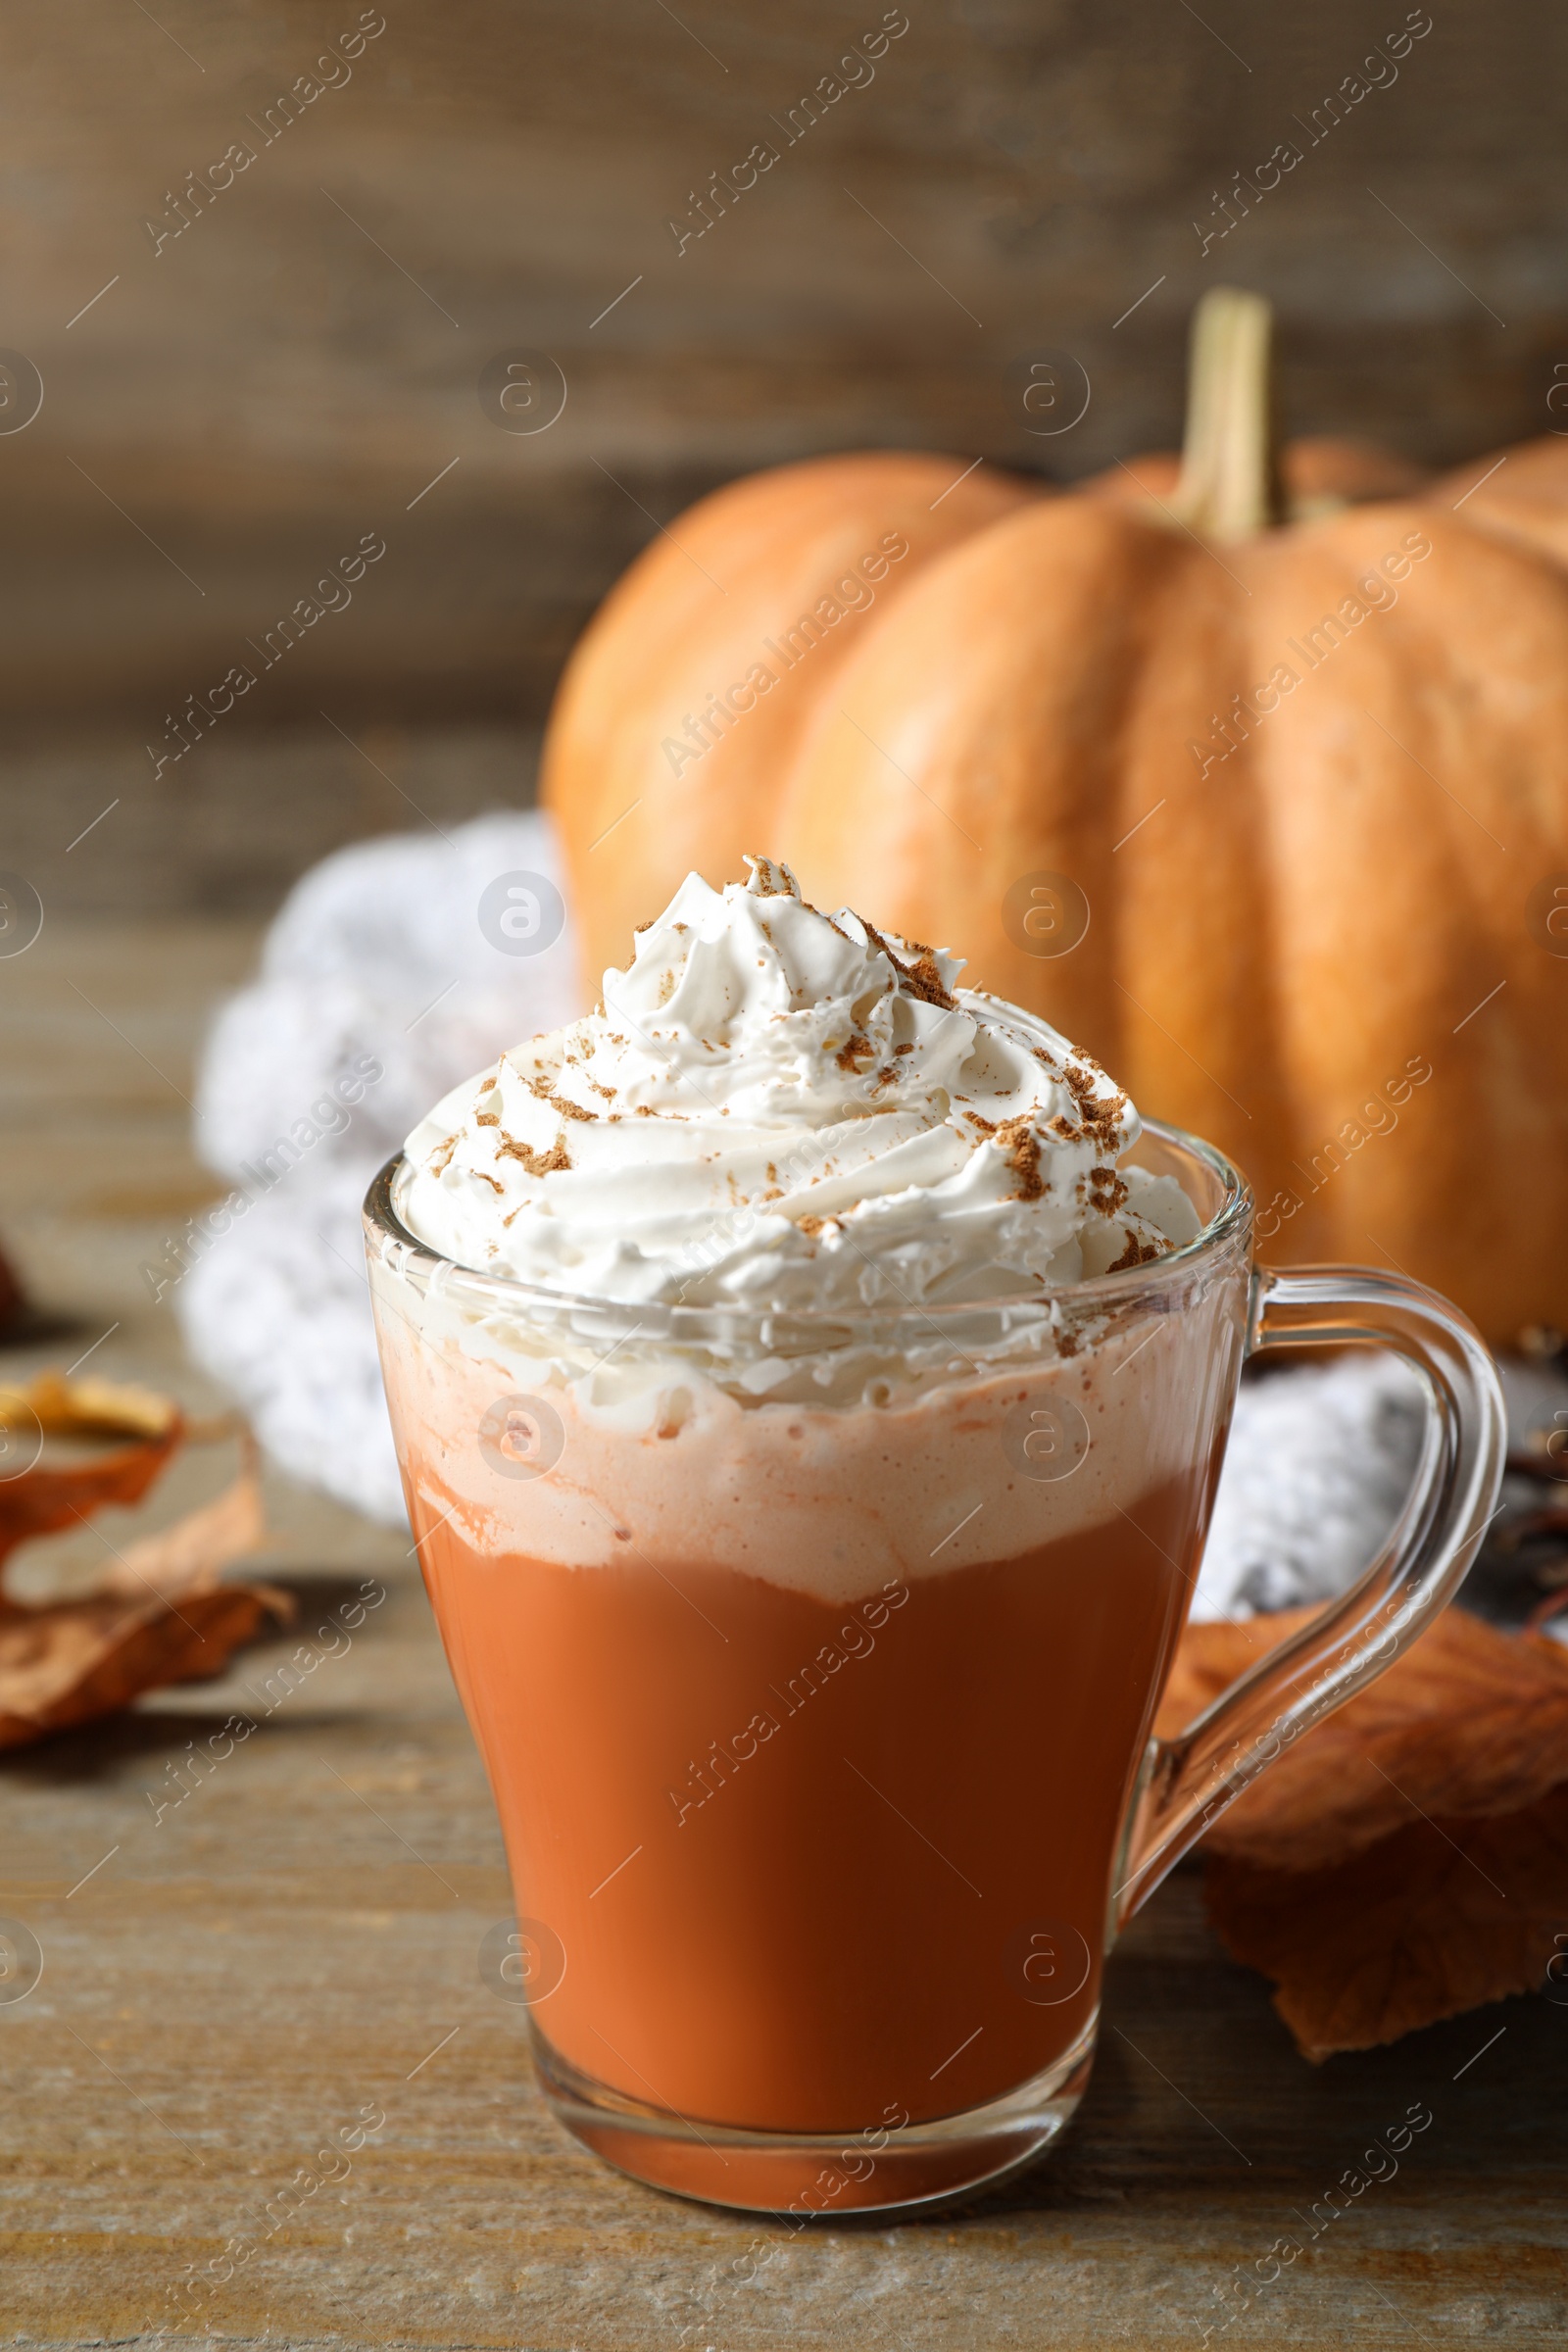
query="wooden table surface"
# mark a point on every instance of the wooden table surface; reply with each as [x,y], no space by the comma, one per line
[294,1951]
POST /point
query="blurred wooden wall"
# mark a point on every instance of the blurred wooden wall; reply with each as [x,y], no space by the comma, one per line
[246,398]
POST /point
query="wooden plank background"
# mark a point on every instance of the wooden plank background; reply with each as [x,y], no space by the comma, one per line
[241,400]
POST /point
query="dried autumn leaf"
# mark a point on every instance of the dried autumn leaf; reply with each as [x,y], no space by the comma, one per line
[1437,1919]
[189,1556]
[1408,1859]
[86,1658]
[1210,1656]
[157,1614]
[1469,1722]
[44,1496]
[92,1407]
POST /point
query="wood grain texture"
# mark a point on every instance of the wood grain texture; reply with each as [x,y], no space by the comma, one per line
[226,411]
[300,1939]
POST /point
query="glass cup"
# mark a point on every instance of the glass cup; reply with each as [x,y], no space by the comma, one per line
[813,1658]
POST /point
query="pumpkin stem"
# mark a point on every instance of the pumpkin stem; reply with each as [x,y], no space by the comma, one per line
[1229,485]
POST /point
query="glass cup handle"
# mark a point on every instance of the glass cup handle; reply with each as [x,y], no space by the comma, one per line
[1187,1782]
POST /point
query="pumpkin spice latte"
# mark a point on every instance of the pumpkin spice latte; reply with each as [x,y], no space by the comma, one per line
[808,1483]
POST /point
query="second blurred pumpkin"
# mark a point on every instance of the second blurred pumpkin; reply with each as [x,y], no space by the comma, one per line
[1255,783]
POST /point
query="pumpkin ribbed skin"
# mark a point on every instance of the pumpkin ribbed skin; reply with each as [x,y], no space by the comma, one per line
[1288,950]
[688,620]
[1288,955]
[1518,494]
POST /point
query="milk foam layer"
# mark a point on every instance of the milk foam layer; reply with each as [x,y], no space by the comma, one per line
[775,1108]
[815,1498]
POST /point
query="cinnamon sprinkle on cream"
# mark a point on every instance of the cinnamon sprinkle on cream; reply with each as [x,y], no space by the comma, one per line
[537,1163]
[1018,1139]
[1136,1253]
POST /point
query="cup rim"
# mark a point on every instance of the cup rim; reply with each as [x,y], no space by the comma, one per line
[1068,1299]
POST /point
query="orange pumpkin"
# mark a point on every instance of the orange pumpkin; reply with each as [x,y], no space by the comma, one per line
[1260,794]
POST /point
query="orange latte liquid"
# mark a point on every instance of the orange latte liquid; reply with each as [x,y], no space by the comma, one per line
[812,1862]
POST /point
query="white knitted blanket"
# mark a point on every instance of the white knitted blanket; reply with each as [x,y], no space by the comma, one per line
[390,953]
[376,956]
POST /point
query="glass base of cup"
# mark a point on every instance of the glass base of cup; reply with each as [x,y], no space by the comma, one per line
[820,2176]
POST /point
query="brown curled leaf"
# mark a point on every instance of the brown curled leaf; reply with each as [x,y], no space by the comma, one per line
[1470,1722]
[190,1557]
[1440,1918]
[142,1429]
[86,1658]
[157,1614]
[1407,1858]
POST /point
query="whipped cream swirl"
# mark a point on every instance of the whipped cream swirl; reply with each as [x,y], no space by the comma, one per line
[776,1107]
